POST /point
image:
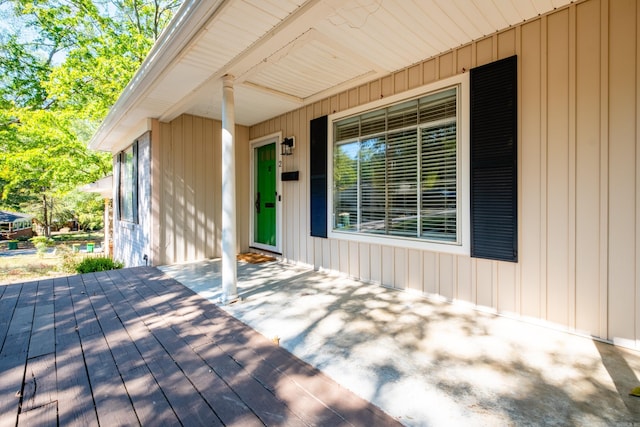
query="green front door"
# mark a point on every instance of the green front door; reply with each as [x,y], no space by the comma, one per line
[265,195]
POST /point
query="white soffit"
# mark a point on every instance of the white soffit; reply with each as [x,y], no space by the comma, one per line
[321,63]
[258,100]
[232,31]
[288,53]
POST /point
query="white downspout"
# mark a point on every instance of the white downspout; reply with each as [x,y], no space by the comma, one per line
[229,263]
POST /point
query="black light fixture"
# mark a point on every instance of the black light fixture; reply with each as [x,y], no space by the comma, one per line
[287,146]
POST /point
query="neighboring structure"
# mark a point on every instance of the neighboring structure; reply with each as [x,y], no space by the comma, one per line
[15,225]
[104,187]
[485,152]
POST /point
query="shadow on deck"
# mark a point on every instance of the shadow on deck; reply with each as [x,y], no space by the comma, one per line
[134,346]
[429,362]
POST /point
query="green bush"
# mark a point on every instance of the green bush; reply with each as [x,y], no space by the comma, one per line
[78,236]
[41,239]
[41,243]
[70,260]
[93,264]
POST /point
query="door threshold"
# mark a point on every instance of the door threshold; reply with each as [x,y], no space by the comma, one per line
[263,251]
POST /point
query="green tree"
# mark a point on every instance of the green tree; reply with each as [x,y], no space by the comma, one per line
[63,63]
[87,209]
[47,159]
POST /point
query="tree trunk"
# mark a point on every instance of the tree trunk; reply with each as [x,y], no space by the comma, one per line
[50,215]
[45,216]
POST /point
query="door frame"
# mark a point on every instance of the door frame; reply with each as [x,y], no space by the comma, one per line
[274,138]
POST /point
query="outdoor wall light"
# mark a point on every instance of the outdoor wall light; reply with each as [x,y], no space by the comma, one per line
[287,146]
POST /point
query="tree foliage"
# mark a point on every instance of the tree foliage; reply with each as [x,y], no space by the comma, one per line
[63,63]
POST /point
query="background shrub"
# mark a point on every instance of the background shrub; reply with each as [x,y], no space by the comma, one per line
[93,264]
[70,260]
[41,243]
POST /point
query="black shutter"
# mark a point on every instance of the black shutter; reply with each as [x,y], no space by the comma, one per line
[494,198]
[318,176]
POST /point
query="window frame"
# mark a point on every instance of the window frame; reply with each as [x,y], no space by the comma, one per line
[22,224]
[462,245]
[122,155]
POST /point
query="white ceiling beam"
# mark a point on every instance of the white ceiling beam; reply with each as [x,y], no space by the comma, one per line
[273,92]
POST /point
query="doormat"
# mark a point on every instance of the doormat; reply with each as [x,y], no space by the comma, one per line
[254,258]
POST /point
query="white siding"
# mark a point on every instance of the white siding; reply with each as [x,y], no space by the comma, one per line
[131,242]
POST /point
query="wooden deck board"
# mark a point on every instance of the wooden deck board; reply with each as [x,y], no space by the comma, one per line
[75,401]
[223,399]
[189,406]
[43,416]
[228,368]
[135,347]
[112,401]
[12,373]
[243,383]
[145,393]
[42,342]
[8,302]
[39,383]
[148,398]
[28,294]
[235,337]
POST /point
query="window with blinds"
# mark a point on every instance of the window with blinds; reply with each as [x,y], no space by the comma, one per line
[395,170]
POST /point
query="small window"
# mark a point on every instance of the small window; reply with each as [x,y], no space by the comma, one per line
[22,224]
[396,170]
[128,184]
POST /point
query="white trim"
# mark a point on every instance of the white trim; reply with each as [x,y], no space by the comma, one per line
[121,139]
[464,217]
[187,22]
[255,143]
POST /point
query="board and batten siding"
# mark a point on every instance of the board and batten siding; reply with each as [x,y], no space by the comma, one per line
[578,178]
[186,164]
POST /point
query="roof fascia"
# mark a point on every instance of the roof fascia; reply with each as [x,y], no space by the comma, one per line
[185,25]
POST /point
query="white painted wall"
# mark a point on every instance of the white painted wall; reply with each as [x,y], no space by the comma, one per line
[132,241]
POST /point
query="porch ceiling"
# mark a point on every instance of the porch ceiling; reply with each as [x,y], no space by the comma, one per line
[288,53]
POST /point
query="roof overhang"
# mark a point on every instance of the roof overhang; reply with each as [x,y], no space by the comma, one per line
[10,217]
[103,186]
[288,54]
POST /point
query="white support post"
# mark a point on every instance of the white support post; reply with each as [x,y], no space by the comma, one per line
[229,252]
[107,227]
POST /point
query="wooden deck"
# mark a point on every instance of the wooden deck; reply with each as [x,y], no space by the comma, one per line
[134,347]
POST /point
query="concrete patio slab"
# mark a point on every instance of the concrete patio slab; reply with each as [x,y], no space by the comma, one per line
[429,362]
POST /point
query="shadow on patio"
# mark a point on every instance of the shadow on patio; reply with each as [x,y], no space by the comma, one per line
[427,362]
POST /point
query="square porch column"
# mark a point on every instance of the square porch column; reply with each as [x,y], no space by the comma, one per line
[229,251]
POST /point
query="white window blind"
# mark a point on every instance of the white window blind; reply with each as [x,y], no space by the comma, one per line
[395,170]
[373,187]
